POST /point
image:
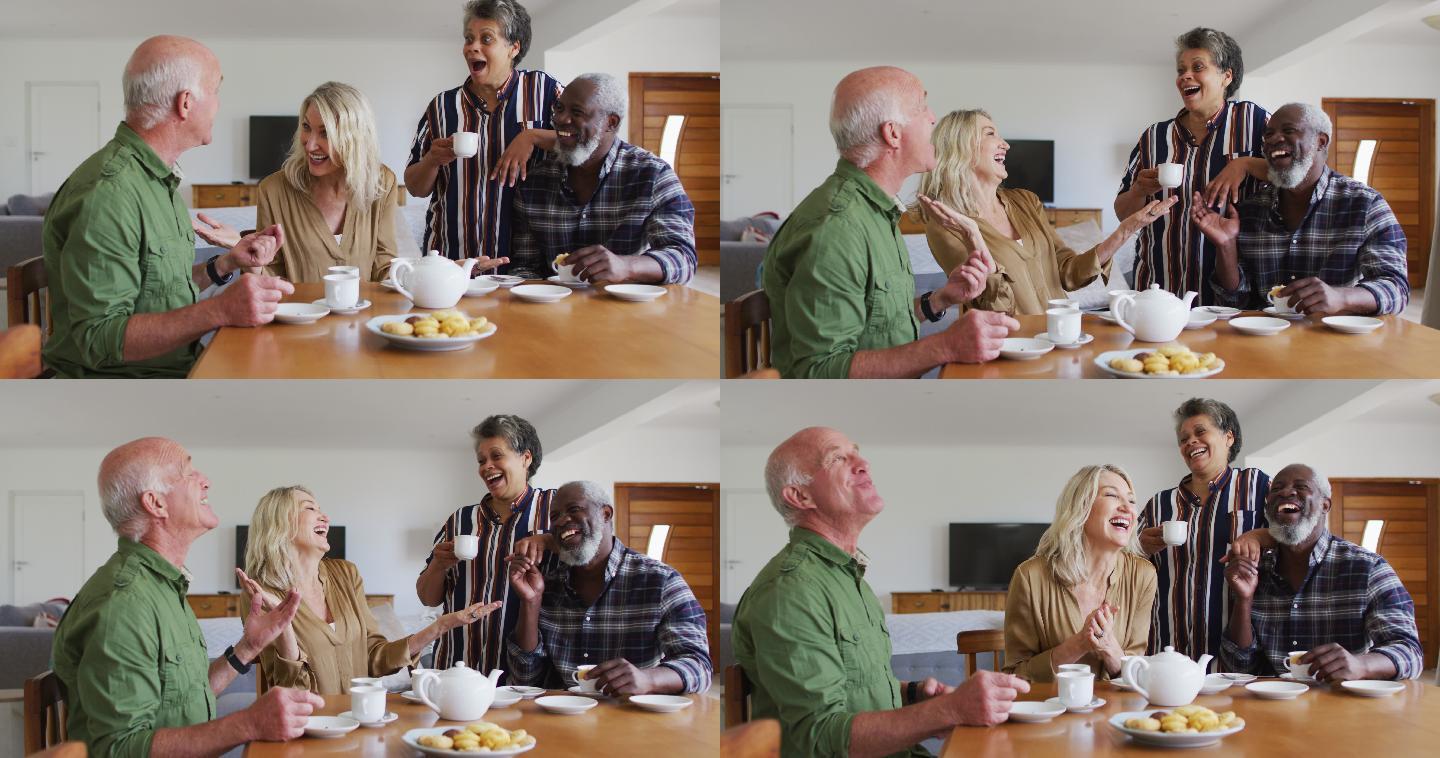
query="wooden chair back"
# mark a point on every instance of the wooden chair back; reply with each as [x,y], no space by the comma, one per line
[757,739]
[27,300]
[20,352]
[971,644]
[737,696]
[63,750]
[747,334]
[44,712]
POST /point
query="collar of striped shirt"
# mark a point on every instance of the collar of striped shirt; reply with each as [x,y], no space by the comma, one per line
[501,95]
[1219,483]
[1210,124]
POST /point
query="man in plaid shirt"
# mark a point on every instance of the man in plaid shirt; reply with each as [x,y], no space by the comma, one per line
[1341,603]
[602,603]
[617,211]
[1328,242]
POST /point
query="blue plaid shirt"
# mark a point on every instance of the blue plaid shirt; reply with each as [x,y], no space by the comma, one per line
[1350,596]
[1348,238]
[639,208]
[646,614]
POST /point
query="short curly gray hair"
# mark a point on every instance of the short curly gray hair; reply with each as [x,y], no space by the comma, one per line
[1313,117]
[518,433]
[1220,414]
[856,129]
[514,21]
[1223,50]
[781,472]
[609,96]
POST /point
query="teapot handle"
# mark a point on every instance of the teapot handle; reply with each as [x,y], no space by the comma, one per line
[1129,671]
[422,686]
[401,263]
[1122,307]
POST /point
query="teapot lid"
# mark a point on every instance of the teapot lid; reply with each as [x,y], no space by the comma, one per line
[459,670]
[1169,655]
[431,258]
[1156,292]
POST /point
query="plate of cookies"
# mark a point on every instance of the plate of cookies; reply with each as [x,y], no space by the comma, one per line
[1186,726]
[440,330]
[1168,362]
[481,737]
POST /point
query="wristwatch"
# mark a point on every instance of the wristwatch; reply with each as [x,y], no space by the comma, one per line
[220,281]
[234,660]
[930,315]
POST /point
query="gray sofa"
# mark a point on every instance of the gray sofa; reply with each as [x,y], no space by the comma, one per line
[22,219]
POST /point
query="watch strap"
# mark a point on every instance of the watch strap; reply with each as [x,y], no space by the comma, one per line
[929,313]
[214,272]
[234,661]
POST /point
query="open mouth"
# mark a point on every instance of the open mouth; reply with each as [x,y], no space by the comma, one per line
[1197,453]
[1287,507]
[477,65]
[318,159]
[566,137]
[494,479]
[322,530]
[1190,91]
[1281,156]
[1121,522]
[570,535]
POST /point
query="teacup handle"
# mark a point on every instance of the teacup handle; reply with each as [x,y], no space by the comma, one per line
[395,268]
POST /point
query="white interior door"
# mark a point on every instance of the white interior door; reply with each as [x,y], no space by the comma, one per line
[64,130]
[47,545]
[756,164]
[753,534]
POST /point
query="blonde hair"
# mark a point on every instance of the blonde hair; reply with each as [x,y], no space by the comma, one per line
[957,143]
[269,548]
[350,129]
[1063,544]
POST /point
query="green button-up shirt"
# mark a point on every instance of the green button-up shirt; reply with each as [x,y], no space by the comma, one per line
[838,278]
[811,636]
[131,656]
[117,242]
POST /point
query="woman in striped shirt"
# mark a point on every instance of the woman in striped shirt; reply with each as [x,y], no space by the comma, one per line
[1220,504]
[509,108]
[1218,142]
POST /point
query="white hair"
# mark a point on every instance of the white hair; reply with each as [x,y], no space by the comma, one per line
[592,492]
[609,96]
[781,472]
[120,495]
[1314,117]
[857,129]
[1322,482]
[150,92]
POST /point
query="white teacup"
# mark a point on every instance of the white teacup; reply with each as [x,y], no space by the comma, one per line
[1297,669]
[1076,688]
[1081,667]
[1171,175]
[344,271]
[1282,304]
[567,273]
[342,290]
[466,144]
[1174,532]
[1062,325]
[367,704]
[1062,302]
[583,680]
[365,681]
[467,546]
[1115,295]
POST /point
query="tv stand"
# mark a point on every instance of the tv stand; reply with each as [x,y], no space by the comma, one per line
[939,602]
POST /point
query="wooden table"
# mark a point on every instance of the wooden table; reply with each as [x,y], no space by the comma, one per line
[1307,350]
[1324,721]
[613,727]
[587,335]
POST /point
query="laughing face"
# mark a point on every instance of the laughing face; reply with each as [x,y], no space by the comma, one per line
[504,471]
[1204,446]
[841,482]
[488,55]
[1200,83]
[580,526]
[1295,506]
[1292,148]
[316,142]
[916,140]
[187,504]
[580,127]
[1112,515]
[990,157]
[312,526]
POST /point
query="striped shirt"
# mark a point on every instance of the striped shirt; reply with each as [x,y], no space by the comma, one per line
[1348,238]
[1350,597]
[469,215]
[645,614]
[1172,251]
[638,207]
[1191,606]
[486,579]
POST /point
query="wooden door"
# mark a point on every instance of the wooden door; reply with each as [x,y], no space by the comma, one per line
[693,548]
[656,99]
[1410,509]
[1403,166]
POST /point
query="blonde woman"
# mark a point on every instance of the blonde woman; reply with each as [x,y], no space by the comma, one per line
[1086,595]
[334,636]
[962,199]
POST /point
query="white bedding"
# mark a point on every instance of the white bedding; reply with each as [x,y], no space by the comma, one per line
[935,632]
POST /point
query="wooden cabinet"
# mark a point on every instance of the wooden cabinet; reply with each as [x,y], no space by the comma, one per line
[228,606]
[222,195]
[1060,218]
[938,602]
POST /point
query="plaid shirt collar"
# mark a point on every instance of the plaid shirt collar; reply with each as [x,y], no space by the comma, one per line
[1269,198]
[1317,556]
[561,572]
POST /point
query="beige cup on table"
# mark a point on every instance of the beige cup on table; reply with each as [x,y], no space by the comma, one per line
[467,546]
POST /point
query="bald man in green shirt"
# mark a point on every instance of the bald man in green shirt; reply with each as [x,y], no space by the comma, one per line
[810,633]
[120,246]
[837,274]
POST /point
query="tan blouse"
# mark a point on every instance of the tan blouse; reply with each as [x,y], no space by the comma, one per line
[329,658]
[1040,614]
[1028,271]
[368,240]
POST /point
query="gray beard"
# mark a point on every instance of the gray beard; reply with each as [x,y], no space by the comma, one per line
[1290,536]
[580,153]
[1292,177]
[582,555]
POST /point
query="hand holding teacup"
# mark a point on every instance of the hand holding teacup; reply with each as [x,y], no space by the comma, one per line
[1313,297]
[620,677]
[1332,663]
[1281,301]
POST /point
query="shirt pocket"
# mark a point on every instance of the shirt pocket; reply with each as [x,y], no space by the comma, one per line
[860,651]
[165,281]
[889,300]
[175,679]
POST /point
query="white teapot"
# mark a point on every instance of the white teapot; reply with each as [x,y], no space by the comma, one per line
[1166,679]
[433,281]
[1153,315]
[459,693]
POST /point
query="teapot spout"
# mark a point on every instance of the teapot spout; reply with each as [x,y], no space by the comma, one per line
[468,266]
[495,676]
[1206,658]
[1189,299]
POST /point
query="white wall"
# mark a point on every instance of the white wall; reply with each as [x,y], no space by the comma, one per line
[1408,450]
[390,501]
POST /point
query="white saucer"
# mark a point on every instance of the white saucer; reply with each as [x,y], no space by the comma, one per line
[1215,683]
[1085,339]
[1121,684]
[571,283]
[1024,349]
[1373,688]
[1259,325]
[662,703]
[1290,315]
[503,280]
[1289,677]
[356,308]
[635,293]
[1105,315]
[329,726]
[1096,703]
[480,286]
[387,718]
[575,690]
[410,695]
[1238,677]
[566,705]
[1277,690]
[1030,711]
[505,698]
[529,693]
[1200,319]
[300,313]
[1353,324]
[1221,312]
[540,293]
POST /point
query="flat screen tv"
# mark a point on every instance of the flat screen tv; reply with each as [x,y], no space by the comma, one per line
[1031,164]
[984,556]
[336,538]
[270,140]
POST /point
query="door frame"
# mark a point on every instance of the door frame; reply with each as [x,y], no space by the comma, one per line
[30,123]
[636,136]
[12,525]
[1427,164]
